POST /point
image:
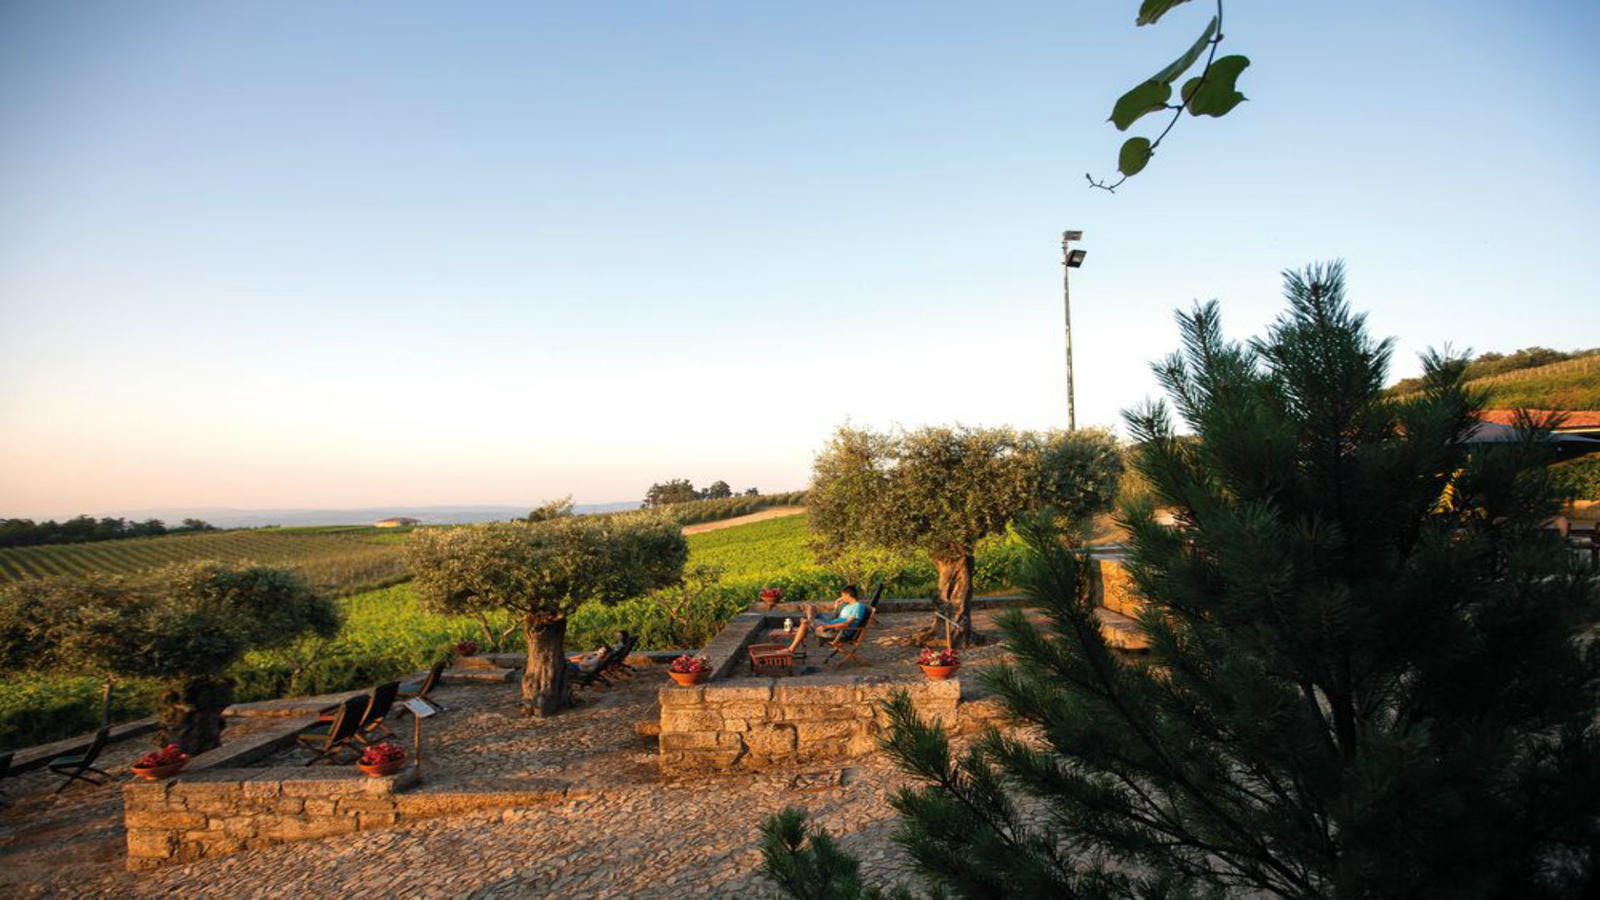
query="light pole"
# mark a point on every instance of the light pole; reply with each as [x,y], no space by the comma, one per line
[1070,259]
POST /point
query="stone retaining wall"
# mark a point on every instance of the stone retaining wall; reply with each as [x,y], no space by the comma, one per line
[753,724]
[227,810]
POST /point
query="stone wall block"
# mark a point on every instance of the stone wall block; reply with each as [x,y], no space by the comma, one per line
[771,740]
[162,819]
[151,843]
[672,695]
[674,720]
[688,740]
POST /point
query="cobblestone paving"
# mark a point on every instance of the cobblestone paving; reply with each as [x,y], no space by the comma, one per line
[48,840]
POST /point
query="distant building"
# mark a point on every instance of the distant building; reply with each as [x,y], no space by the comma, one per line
[1581,422]
[397,522]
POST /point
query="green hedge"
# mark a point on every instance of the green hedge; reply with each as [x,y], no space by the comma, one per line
[1579,478]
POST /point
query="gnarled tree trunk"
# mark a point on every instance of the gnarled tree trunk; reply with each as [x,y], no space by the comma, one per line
[545,691]
[955,597]
[192,717]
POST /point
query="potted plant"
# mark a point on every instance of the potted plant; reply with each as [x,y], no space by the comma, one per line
[771,596]
[163,763]
[939,664]
[689,670]
[467,647]
[382,759]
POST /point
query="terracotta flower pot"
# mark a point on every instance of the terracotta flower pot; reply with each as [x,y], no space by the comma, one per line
[940,673]
[688,679]
[155,773]
[381,769]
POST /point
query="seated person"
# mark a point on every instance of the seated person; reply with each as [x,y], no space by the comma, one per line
[849,612]
[583,663]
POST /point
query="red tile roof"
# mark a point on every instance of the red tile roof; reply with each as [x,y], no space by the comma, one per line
[1575,418]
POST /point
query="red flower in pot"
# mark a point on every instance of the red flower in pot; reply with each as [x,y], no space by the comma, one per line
[771,596]
[382,759]
[939,664]
[163,763]
[688,670]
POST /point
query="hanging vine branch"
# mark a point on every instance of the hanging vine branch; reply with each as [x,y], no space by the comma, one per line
[1211,93]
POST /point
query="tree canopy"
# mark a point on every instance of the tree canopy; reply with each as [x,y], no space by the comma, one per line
[940,490]
[184,624]
[543,572]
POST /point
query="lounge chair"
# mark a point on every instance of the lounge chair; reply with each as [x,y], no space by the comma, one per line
[380,701]
[76,766]
[419,690]
[848,640]
[329,738]
[607,667]
[617,666]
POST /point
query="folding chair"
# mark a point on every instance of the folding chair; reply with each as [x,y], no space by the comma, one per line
[328,739]
[419,690]
[848,640]
[75,766]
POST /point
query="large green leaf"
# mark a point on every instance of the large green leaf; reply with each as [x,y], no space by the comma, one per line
[1151,10]
[1216,94]
[1135,153]
[1147,97]
[1182,63]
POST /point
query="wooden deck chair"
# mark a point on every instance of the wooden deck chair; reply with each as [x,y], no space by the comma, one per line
[380,702]
[76,766]
[328,739]
[848,640]
[419,690]
[586,677]
[617,668]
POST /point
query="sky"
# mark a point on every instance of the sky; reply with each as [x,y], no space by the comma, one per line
[357,254]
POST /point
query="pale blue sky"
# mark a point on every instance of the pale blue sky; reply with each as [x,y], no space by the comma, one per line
[345,254]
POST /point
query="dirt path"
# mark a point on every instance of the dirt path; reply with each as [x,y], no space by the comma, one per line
[775,512]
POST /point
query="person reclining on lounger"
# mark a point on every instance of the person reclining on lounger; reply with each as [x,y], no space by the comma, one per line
[848,609]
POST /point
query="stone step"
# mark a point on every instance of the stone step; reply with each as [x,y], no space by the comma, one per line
[477,676]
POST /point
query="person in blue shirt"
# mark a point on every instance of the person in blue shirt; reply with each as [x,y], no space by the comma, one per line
[848,612]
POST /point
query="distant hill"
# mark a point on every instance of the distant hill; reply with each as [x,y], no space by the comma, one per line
[226,517]
[1536,378]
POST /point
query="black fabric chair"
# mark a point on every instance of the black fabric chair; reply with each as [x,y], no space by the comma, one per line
[78,766]
[331,738]
[419,690]
[379,702]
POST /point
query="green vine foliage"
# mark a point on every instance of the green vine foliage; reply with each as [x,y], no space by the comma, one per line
[1213,92]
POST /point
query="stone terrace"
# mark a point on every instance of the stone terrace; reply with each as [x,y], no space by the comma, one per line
[582,807]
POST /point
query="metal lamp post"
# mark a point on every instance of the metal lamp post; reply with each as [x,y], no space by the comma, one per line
[1070,259]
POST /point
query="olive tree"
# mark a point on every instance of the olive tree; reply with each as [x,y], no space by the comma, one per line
[184,625]
[940,490]
[542,572]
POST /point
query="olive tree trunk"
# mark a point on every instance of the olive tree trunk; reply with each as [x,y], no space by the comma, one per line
[192,714]
[955,598]
[545,691]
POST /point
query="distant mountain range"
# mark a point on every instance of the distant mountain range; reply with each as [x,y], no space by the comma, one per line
[228,517]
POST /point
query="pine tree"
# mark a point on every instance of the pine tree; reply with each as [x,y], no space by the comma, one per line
[1370,673]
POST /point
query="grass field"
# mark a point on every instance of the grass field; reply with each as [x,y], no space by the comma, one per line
[386,633]
[1570,384]
[337,559]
